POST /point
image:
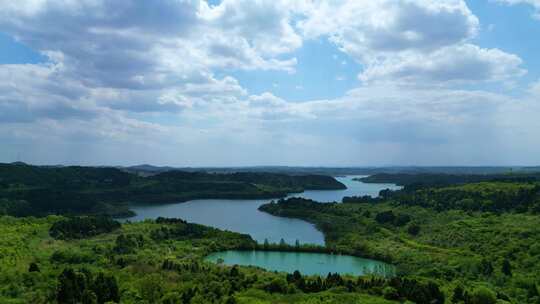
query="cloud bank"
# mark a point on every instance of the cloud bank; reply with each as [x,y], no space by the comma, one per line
[132,81]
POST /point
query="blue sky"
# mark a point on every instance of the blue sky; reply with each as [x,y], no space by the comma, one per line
[511,29]
[14,52]
[321,72]
[340,83]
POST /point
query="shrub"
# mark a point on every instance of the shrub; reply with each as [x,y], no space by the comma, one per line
[483,295]
[82,227]
[385,217]
[413,229]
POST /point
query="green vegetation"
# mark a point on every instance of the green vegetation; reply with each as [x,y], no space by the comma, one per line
[161,261]
[81,227]
[485,251]
[460,240]
[440,179]
[31,190]
[484,196]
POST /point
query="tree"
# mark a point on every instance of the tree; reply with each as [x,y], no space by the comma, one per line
[89,297]
[234,271]
[390,293]
[106,288]
[385,217]
[483,295]
[151,288]
[485,267]
[231,300]
[458,295]
[277,285]
[128,243]
[402,220]
[70,286]
[33,267]
[506,267]
[82,227]
[413,229]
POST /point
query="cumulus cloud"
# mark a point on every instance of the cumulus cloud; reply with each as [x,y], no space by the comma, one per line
[141,45]
[366,28]
[464,63]
[129,80]
[30,92]
[266,24]
[139,56]
[410,41]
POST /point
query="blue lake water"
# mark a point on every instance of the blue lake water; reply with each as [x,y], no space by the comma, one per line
[243,215]
[354,188]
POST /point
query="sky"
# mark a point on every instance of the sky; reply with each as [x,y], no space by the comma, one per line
[277,82]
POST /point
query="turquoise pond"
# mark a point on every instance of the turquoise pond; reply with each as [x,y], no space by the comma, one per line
[306,263]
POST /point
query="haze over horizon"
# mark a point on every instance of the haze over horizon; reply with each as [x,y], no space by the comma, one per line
[255,83]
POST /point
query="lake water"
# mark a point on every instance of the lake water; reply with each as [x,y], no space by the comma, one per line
[306,263]
[243,215]
[354,188]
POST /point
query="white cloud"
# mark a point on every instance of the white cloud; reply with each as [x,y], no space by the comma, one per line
[162,43]
[141,57]
[129,80]
[30,92]
[464,63]
[410,41]
[265,24]
[365,29]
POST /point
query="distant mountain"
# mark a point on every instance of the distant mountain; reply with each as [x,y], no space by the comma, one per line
[336,171]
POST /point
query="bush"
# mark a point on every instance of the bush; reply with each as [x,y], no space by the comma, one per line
[390,293]
[33,267]
[413,229]
[402,220]
[82,227]
[276,286]
[126,244]
[72,257]
[483,295]
[385,217]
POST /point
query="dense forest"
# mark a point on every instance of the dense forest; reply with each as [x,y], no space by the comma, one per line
[467,238]
[459,240]
[161,261]
[33,190]
[440,179]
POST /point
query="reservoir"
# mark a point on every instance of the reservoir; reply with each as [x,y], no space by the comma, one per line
[354,188]
[243,215]
[306,263]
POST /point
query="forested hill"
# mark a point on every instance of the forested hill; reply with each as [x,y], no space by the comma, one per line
[440,179]
[69,177]
[293,182]
[35,190]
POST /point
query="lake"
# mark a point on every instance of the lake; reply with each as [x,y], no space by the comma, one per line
[306,263]
[243,215]
[354,188]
